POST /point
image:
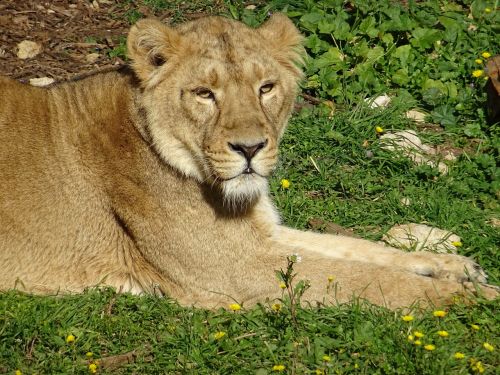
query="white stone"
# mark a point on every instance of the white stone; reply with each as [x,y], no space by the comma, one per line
[405,201]
[28,49]
[409,144]
[92,57]
[380,101]
[42,81]
[421,237]
[416,115]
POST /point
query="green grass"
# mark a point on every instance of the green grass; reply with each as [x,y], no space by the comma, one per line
[338,172]
[171,339]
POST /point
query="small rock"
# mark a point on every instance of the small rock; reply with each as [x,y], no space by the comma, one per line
[405,201]
[28,49]
[380,101]
[92,57]
[494,222]
[42,81]
[251,7]
[450,156]
[406,140]
[421,237]
[416,115]
[410,145]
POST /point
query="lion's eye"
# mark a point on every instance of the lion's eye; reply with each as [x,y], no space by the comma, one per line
[204,93]
[264,89]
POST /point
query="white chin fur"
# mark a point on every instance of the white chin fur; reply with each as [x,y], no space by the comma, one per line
[243,189]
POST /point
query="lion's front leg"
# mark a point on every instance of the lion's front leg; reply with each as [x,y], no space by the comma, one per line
[439,266]
[381,285]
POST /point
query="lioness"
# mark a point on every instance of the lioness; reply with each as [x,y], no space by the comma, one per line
[154,180]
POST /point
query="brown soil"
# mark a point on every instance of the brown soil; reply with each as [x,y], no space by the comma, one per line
[76,36]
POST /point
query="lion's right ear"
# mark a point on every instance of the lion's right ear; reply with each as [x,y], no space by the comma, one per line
[150,44]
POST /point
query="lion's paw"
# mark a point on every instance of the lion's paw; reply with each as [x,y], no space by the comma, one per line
[445,266]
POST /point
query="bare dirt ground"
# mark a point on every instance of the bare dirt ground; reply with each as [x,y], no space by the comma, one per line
[75,36]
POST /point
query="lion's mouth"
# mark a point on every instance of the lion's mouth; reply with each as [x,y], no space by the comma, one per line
[247,172]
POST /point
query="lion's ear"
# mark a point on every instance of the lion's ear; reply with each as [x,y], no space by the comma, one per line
[286,40]
[150,44]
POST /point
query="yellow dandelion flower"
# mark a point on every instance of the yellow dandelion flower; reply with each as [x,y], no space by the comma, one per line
[457,243]
[459,355]
[356,365]
[379,129]
[418,334]
[282,285]
[285,184]
[219,335]
[474,327]
[319,371]
[486,55]
[407,318]
[488,347]
[478,61]
[417,342]
[235,307]
[89,354]
[70,339]
[443,333]
[430,347]
[18,372]
[276,307]
[331,278]
[478,73]
[93,368]
[487,10]
[439,313]
[477,367]
[279,368]
[411,337]
[327,358]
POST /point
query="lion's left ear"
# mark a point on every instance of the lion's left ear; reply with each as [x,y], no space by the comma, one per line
[286,41]
[150,44]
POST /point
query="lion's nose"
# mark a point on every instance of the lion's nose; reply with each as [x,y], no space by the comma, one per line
[248,151]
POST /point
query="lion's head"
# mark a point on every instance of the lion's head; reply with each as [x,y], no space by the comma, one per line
[218,95]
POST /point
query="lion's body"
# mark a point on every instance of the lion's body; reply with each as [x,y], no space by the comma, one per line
[149,182]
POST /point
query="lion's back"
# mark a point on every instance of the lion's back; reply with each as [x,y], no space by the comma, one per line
[51,202]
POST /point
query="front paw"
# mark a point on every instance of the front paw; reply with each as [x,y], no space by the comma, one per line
[445,266]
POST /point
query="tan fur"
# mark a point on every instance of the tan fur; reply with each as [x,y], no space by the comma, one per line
[135,180]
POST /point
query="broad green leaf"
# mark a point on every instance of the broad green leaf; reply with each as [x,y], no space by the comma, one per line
[444,116]
[310,21]
[333,58]
[388,38]
[374,54]
[403,54]
[401,77]
[315,44]
[425,38]
[431,83]
[473,130]
[368,26]
[336,26]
